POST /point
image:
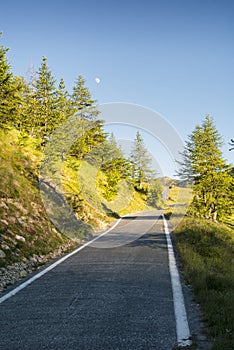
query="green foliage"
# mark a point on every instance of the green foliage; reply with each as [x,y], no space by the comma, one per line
[29,109]
[21,209]
[10,92]
[141,164]
[84,106]
[206,252]
[114,167]
[82,101]
[211,176]
[115,171]
[154,198]
[64,104]
[46,95]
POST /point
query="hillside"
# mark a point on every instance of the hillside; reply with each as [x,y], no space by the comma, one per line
[27,236]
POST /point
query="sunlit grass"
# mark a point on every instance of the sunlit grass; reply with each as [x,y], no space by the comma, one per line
[21,209]
[127,200]
[206,252]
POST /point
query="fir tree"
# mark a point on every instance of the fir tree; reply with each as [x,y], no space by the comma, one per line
[141,163]
[82,101]
[10,92]
[107,151]
[46,95]
[154,197]
[110,159]
[64,102]
[85,108]
[29,112]
[204,165]
[113,162]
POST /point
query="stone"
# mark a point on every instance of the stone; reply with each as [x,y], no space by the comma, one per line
[23,273]
[20,238]
[5,246]
[2,254]
[30,230]
[4,222]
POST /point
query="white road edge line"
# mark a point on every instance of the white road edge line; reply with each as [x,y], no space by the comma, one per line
[182,327]
[49,268]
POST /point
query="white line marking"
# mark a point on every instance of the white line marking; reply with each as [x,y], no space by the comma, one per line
[182,327]
[49,268]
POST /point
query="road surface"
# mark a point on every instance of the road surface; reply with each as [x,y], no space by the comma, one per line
[100,298]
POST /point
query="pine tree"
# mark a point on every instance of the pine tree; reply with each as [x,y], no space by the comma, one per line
[82,101]
[154,197]
[113,161]
[115,167]
[141,163]
[10,92]
[107,151]
[85,108]
[204,165]
[64,102]
[46,95]
[30,107]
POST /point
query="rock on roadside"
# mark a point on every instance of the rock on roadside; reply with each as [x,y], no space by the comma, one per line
[9,275]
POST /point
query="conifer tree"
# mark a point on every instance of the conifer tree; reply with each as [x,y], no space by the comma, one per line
[10,92]
[141,162]
[85,108]
[29,111]
[109,157]
[113,162]
[64,102]
[82,101]
[46,95]
[204,165]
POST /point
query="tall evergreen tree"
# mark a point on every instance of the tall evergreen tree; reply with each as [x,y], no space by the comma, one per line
[113,162]
[106,152]
[29,111]
[86,110]
[46,95]
[64,102]
[141,162]
[82,101]
[110,159]
[204,164]
[10,92]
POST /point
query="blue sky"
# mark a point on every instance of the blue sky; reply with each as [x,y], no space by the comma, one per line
[173,56]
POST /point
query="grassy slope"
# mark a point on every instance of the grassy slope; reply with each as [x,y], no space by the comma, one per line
[126,201]
[206,252]
[22,212]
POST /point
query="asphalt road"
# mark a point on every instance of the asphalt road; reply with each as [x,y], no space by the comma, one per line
[100,298]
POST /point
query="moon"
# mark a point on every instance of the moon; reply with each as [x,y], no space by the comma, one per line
[97,80]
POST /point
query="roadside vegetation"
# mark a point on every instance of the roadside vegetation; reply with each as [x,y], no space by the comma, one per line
[206,254]
[24,226]
[204,239]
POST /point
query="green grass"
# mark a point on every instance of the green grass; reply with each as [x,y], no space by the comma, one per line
[177,204]
[21,210]
[127,200]
[206,250]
